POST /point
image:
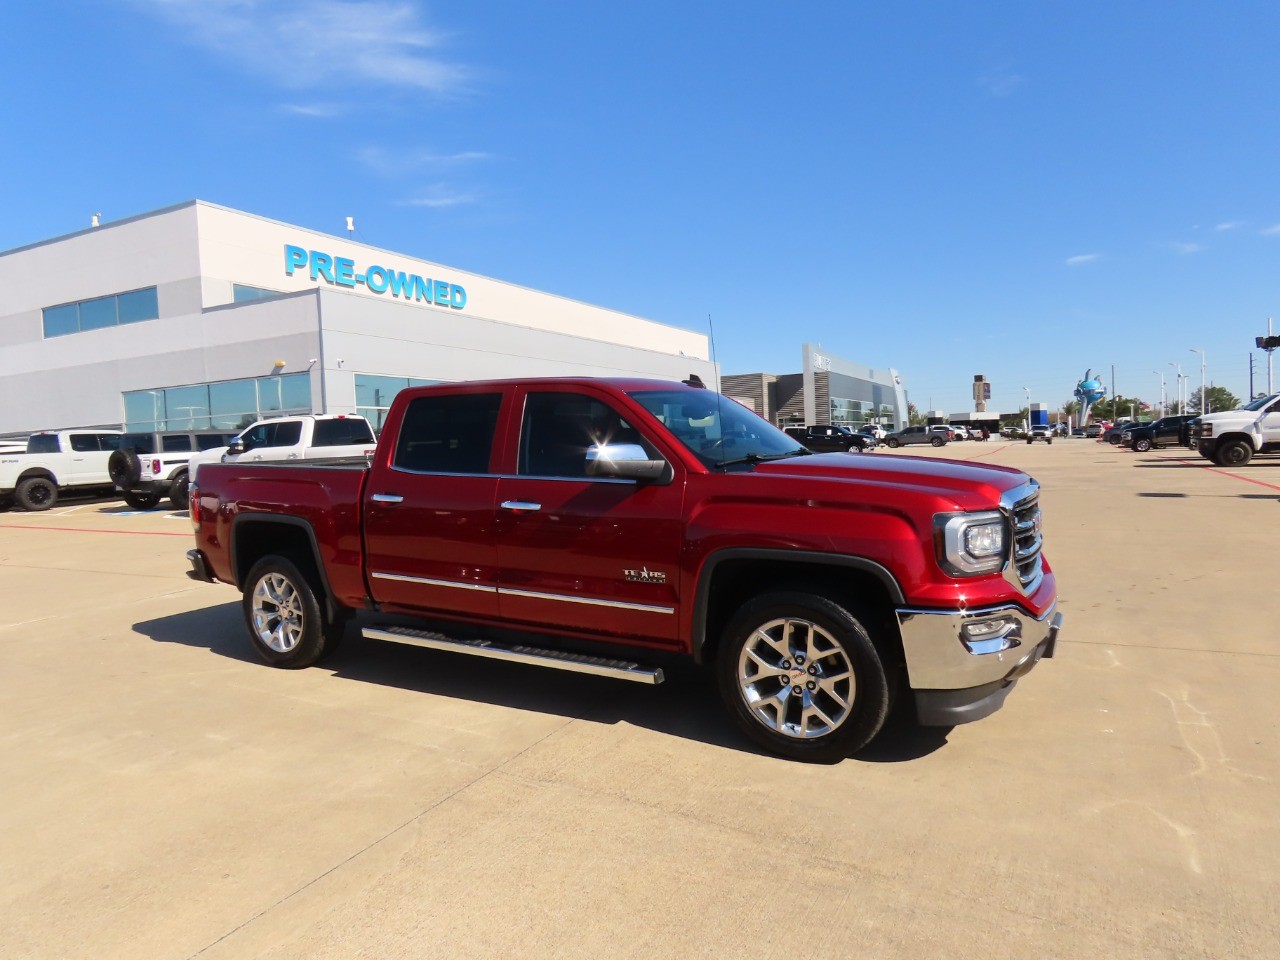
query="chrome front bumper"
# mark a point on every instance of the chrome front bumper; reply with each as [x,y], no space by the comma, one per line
[961,649]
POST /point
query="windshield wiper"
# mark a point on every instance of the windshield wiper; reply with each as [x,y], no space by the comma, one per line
[763,457]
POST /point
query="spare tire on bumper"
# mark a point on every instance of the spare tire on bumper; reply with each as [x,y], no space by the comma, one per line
[124,468]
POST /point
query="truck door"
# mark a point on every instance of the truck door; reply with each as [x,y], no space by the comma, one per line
[88,460]
[595,555]
[429,507]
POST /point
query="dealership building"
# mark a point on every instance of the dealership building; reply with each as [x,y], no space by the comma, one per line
[202,317]
[827,390]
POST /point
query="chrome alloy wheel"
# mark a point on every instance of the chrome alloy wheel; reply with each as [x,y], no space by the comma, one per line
[796,678]
[277,613]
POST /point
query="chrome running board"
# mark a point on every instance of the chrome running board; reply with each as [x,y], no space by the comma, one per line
[537,656]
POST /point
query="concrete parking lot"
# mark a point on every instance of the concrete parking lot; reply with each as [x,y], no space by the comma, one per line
[166,795]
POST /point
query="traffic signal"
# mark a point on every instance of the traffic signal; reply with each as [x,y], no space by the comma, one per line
[1267,343]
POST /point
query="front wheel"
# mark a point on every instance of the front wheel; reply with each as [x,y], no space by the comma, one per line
[1142,446]
[937,442]
[283,615]
[893,443]
[801,676]
[1236,453]
[180,491]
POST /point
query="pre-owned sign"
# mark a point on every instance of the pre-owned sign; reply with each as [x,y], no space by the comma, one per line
[341,272]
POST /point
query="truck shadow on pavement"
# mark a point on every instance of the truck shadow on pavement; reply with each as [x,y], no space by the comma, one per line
[685,705]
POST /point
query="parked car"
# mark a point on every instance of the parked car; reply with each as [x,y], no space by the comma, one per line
[943,429]
[590,520]
[149,465]
[874,430]
[1233,437]
[830,438]
[918,434]
[55,462]
[1163,432]
[1092,431]
[1039,431]
[1115,433]
[309,437]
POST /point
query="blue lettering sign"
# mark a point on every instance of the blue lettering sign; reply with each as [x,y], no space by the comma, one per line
[341,271]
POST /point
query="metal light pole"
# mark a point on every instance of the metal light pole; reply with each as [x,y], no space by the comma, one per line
[1182,404]
[1201,352]
[1163,409]
[1028,420]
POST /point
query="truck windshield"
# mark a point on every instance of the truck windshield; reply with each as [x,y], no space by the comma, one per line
[715,429]
[1260,402]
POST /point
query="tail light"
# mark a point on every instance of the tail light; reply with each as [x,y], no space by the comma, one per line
[193,506]
[155,468]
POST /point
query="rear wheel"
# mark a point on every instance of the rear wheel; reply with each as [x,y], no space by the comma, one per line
[801,676]
[180,491]
[141,501]
[283,615]
[937,442]
[1234,453]
[893,443]
[36,493]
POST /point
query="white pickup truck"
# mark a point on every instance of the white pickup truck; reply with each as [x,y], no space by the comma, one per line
[56,462]
[1232,437]
[311,437]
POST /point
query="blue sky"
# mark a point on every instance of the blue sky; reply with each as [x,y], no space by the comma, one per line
[1022,190]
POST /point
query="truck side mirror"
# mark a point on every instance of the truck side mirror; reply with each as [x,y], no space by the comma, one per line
[625,461]
[236,446]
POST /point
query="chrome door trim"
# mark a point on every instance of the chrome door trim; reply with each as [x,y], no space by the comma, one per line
[387,498]
[520,506]
[427,581]
[565,598]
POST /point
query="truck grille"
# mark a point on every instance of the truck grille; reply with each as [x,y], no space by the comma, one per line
[1027,542]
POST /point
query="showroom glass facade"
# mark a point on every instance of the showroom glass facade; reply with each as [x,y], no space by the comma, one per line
[119,308]
[375,393]
[228,405]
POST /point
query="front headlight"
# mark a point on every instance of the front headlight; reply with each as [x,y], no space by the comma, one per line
[1206,429]
[970,543]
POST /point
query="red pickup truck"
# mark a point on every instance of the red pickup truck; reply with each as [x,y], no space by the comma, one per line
[584,524]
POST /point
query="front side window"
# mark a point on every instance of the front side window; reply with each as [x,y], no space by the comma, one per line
[285,433]
[559,428]
[715,429]
[448,434]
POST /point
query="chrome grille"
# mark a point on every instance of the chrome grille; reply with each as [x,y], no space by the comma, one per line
[1027,541]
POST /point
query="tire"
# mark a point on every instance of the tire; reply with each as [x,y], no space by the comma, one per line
[180,491]
[6,504]
[848,669]
[893,443]
[1028,441]
[303,635]
[1233,453]
[36,493]
[936,442]
[139,500]
[1114,440]
[1049,440]
[124,468]
[1141,445]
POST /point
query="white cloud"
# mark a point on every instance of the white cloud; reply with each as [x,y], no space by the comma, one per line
[1186,247]
[398,163]
[1001,82]
[437,197]
[1228,225]
[318,110]
[1271,231]
[301,45]
[1082,258]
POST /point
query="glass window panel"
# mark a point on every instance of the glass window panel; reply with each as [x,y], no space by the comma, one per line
[139,442]
[42,443]
[232,400]
[187,408]
[142,408]
[449,434]
[109,441]
[59,321]
[374,391]
[376,416]
[181,441]
[284,434]
[138,305]
[268,395]
[295,392]
[82,442]
[242,292]
[95,314]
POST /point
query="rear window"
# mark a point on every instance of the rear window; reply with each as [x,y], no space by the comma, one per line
[344,432]
[42,443]
[178,443]
[448,434]
[140,442]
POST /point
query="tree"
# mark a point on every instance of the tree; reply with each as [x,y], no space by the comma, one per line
[1111,408]
[1216,398]
[914,416]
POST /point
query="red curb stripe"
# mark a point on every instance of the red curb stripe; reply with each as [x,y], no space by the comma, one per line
[1269,486]
[123,533]
[987,453]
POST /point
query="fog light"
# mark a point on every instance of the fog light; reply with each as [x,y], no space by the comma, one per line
[991,636]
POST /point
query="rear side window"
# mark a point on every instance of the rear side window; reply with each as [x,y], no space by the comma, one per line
[43,443]
[174,444]
[139,442]
[207,441]
[84,442]
[345,432]
[448,434]
[285,434]
[109,441]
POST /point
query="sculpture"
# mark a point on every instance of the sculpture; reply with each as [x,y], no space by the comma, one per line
[1088,391]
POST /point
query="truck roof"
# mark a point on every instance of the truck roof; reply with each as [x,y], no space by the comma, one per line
[625,384]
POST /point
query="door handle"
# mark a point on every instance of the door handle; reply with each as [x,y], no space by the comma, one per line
[520,506]
[386,498]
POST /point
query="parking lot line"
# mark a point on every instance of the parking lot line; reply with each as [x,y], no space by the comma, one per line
[125,533]
[1261,483]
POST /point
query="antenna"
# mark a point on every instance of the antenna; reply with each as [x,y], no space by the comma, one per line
[351,228]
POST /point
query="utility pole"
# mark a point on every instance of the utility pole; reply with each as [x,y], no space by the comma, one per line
[1250,376]
[1201,352]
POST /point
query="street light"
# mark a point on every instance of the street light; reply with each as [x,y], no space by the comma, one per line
[1160,373]
[1201,352]
[1028,420]
[1182,405]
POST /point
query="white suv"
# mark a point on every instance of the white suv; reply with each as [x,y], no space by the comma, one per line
[56,461]
[318,437]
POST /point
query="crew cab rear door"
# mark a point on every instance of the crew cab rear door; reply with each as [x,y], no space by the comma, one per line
[589,554]
[429,505]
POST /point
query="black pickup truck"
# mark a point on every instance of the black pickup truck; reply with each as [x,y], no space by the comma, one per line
[825,438]
[1165,431]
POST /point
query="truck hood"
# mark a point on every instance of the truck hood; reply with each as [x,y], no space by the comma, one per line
[955,480]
